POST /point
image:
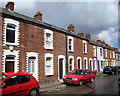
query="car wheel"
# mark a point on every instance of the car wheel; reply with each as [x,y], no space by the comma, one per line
[80,82]
[117,72]
[92,80]
[113,72]
[34,92]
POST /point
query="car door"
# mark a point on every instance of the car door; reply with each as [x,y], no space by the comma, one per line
[25,84]
[89,75]
[85,76]
[11,86]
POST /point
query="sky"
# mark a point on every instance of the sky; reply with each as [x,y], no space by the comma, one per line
[99,18]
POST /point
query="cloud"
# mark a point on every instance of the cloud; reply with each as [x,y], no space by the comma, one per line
[110,36]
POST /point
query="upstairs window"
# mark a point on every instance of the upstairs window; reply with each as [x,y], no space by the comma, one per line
[94,50]
[70,44]
[101,52]
[11,32]
[113,54]
[48,39]
[110,55]
[106,53]
[84,47]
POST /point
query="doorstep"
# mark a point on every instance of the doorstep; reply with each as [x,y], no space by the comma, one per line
[52,86]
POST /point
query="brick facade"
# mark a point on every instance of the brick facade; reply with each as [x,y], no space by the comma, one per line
[32,41]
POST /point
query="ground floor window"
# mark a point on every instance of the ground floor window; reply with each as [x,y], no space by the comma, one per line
[49,64]
[85,63]
[71,63]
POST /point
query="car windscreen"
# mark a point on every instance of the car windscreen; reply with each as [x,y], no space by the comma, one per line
[77,72]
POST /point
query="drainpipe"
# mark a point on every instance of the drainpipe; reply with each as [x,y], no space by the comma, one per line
[66,54]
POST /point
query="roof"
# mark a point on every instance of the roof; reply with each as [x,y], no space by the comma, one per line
[6,13]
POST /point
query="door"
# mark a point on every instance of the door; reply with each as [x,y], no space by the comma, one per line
[78,63]
[90,65]
[60,68]
[9,64]
[98,67]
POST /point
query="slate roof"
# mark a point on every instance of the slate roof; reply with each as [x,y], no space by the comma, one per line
[9,13]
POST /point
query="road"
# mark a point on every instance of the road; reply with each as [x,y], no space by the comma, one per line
[103,84]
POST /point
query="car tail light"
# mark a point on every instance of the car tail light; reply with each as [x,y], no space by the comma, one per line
[110,69]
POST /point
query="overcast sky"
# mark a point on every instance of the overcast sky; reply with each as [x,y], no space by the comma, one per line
[99,18]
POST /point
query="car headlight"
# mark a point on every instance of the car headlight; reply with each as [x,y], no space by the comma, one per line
[64,77]
[74,78]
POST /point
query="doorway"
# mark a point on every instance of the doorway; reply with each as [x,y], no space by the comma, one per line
[60,68]
[9,63]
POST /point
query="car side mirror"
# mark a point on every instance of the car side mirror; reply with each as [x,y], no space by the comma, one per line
[4,86]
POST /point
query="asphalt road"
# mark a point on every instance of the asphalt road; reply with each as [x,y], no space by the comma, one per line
[103,84]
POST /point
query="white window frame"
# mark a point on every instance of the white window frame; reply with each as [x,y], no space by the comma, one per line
[94,50]
[71,57]
[36,67]
[49,32]
[85,58]
[16,23]
[79,58]
[85,46]
[49,55]
[72,44]
[106,53]
[113,54]
[16,59]
[101,51]
[110,54]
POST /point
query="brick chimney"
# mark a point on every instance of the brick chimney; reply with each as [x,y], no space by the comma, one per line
[38,16]
[10,5]
[71,28]
[99,41]
[81,34]
[88,36]
[103,42]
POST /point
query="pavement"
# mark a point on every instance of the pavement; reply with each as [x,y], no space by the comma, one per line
[58,84]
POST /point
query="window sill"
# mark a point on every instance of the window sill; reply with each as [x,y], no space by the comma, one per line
[11,44]
[49,48]
[70,51]
[49,75]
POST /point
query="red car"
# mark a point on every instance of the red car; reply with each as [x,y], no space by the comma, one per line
[18,84]
[79,76]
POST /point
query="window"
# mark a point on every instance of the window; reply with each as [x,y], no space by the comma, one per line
[110,55]
[48,39]
[31,65]
[94,50]
[11,32]
[70,44]
[14,80]
[85,64]
[84,46]
[101,52]
[48,64]
[106,53]
[113,54]
[25,78]
[116,56]
[71,63]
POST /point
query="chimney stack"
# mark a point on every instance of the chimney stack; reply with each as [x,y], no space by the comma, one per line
[10,6]
[88,36]
[38,16]
[71,28]
[81,34]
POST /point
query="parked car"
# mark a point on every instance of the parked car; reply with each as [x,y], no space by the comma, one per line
[79,76]
[19,84]
[118,68]
[110,70]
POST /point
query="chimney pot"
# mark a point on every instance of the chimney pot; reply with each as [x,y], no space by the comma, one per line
[88,36]
[38,16]
[10,5]
[71,28]
[81,34]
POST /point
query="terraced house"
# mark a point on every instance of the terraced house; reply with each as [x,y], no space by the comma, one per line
[47,51]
